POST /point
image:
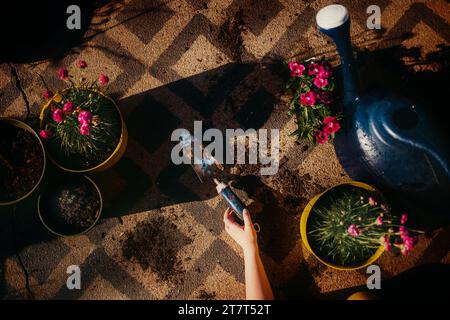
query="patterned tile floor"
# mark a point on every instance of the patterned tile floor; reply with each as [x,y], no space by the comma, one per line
[173,62]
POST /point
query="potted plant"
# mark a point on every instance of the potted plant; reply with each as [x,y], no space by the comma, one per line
[312,86]
[70,205]
[22,161]
[350,225]
[82,128]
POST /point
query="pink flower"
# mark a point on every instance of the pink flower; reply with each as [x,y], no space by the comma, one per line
[68,107]
[331,125]
[296,69]
[323,72]
[85,129]
[58,115]
[321,137]
[293,65]
[308,99]
[353,230]
[320,82]
[408,241]
[82,64]
[372,201]
[404,218]
[313,68]
[386,243]
[85,117]
[379,221]
[103,79]
[45,134]
[47,94]
[408,244]
[403,231]
[326,97]
[63,73]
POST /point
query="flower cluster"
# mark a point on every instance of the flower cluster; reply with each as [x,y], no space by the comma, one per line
[357,223]
[390,237]
[79,119]
[64,116]
[67,109]
[312,84]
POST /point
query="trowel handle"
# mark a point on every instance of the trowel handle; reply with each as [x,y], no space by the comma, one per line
[234,202]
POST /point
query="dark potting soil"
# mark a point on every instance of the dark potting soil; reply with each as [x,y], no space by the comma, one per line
[323,202]
[205,295]
[70,206]
[154,244]
[21,162]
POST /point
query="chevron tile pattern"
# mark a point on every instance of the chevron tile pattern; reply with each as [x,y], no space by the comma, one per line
[220,61]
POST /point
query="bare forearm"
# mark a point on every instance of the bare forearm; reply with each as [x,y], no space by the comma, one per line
[257,284]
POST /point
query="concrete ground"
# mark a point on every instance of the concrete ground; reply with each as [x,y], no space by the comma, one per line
[173,62]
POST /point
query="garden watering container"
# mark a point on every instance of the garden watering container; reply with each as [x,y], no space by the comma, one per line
[386,139]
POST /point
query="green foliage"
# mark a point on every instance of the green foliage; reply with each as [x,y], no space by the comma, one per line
[347,225]
[104,128]
[330,227]
[309,119]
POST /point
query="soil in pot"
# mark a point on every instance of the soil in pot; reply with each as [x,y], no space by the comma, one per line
[70,205]
[325,201]
[21,162]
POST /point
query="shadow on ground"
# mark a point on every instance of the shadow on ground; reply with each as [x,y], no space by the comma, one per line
[221,98]
[37,30]
[146,179]
[425,282]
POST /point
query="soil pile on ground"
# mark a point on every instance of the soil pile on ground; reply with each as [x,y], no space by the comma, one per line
[154,244]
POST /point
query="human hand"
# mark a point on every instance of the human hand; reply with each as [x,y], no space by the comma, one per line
[244,235]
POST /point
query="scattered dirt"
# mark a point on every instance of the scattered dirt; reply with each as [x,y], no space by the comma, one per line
[70,206]
[290,189]
[245,169]
[291,184]
[279,225]
[232,30]
[205,295]
[21,162]
[154,244]
[277,204]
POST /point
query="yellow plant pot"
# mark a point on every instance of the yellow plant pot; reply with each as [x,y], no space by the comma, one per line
[304,222]
[26,127]
[115,155]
